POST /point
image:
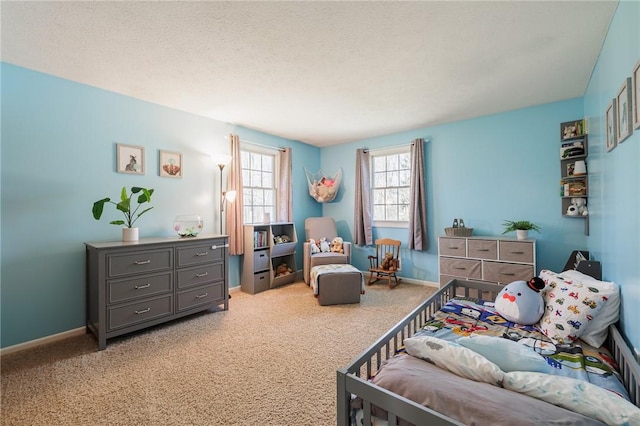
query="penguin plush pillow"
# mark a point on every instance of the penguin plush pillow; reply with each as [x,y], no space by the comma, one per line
[521,301]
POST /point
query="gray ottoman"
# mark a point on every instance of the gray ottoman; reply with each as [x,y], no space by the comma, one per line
[337,284]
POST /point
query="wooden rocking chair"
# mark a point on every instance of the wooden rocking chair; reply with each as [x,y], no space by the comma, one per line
[386,261]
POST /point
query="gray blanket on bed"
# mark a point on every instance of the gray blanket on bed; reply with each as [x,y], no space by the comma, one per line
[484,404]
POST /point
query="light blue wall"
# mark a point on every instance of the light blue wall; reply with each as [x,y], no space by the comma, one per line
[614,176]
[58,157]
[485,170]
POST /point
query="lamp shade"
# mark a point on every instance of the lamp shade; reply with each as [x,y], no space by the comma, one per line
[580,168]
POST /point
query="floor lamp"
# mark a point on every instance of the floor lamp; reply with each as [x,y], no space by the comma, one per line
[224,195]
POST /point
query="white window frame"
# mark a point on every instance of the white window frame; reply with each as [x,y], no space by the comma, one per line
[254,149]
[403,149]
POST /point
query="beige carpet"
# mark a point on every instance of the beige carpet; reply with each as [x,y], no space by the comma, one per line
[270,360]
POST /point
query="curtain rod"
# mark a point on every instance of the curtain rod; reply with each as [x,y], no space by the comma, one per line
[280,148]
[394,146]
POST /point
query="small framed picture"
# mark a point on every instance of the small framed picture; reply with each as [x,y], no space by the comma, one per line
[572,129]
[612,123]
[170,164]
[623,111]
[636,95]
[130,159]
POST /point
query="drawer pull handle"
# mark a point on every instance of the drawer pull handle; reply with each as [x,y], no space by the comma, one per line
[142,262]
[483,249]
[202,275]
[139,287]
[517,252]
[144,311]
[202,295]
[454,248]
[507,273]
[202,254]
[460,267]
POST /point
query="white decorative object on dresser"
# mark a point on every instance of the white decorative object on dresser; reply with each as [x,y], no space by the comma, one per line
[131,286]
[497,260]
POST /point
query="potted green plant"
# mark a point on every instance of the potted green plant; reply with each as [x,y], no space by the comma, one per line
[131,214]
[522,228]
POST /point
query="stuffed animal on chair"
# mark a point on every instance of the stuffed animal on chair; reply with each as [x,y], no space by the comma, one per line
[521,301]
[324,245]
[313,246]
[336,245]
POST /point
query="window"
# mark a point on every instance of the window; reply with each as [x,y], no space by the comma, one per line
[391,171]
[259,177]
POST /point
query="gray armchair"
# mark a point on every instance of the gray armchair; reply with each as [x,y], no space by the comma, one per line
[317,228]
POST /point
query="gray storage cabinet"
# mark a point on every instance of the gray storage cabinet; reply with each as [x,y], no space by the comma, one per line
[135,285]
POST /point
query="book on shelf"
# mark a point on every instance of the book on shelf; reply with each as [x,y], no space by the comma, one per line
[260,239]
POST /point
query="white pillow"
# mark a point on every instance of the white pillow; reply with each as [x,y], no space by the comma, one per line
[505,353]
[569,306]
[576,395]
[454,358]
[596,332]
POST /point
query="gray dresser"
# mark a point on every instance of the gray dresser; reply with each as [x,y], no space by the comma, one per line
[496,260]
[131,286]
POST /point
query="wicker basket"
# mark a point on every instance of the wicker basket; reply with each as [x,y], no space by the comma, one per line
[458,232]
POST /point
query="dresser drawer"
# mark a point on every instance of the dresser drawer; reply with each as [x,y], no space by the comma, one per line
[135,288]
[200,275]
[200,296]
[453,247]
[145,310]
[260,260]
[506,272]
[517,251]
[139,262]
[483,249]
[213,251]
[464,268]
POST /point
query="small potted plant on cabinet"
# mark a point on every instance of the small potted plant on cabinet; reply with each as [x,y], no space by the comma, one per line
[522,228]
[131,215]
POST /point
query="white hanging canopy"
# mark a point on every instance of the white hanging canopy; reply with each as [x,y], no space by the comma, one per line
[322,187]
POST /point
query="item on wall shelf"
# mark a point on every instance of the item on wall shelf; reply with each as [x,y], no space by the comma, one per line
[522,228]
[579,168]
[623,109]
[572,149]
[188,225]
[572,129]
[130,159]
[612,125]
[170,164]
[323,188]
[125,206]
[636,95]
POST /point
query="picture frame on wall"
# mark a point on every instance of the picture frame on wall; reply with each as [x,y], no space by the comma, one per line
[130,159]
[611,123]
[623,111]
[170,164]
[635,77]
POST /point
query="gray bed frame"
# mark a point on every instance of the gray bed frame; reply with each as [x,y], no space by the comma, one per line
[354,378]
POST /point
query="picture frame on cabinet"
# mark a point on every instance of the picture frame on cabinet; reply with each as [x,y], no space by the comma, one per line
[636,95]
[130,159]
[623,111]
[611,124]
[170,164]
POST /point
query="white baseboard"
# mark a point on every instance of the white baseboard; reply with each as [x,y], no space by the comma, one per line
[43,340]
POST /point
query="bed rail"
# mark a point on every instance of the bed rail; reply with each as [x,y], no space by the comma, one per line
[627,365]
[353,379]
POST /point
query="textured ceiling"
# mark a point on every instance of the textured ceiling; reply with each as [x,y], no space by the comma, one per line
[323,73]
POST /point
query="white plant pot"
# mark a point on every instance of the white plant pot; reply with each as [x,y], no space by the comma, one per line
[522,234]
[129,234]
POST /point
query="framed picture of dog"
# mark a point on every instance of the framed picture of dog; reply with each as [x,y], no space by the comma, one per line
[130,159]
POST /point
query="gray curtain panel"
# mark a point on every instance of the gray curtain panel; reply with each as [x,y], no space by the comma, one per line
[285,187]
[418,235]
[363,220]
